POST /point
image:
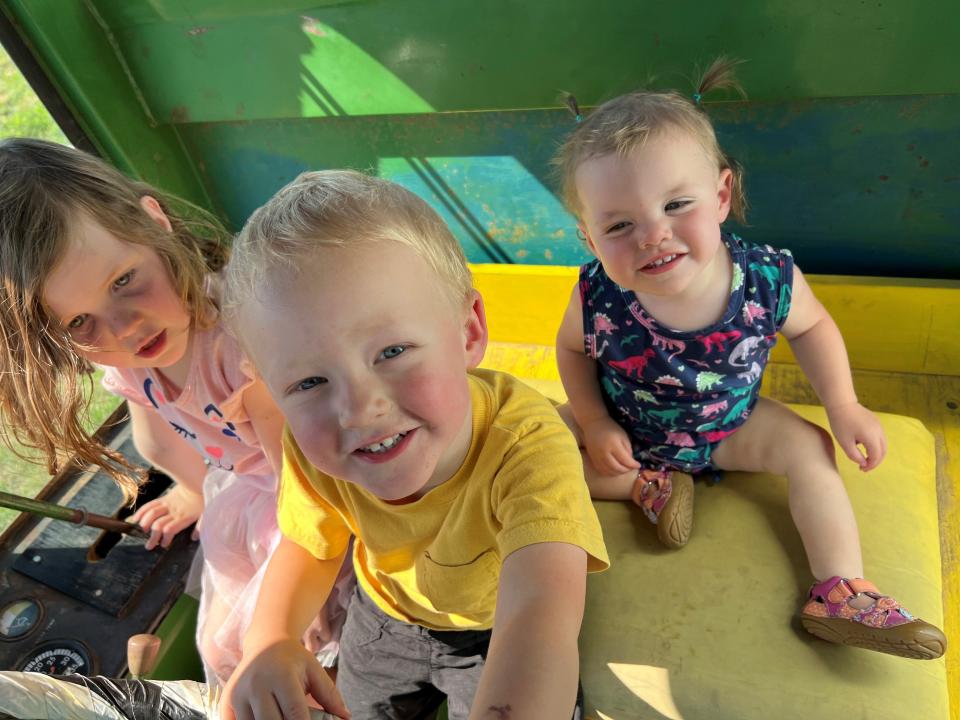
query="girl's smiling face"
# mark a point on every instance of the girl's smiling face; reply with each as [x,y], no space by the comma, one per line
[653,217]
[116,298]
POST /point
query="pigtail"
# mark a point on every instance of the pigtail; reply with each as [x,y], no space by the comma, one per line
[625,122]
[738,198]
[572,105]
[719,76]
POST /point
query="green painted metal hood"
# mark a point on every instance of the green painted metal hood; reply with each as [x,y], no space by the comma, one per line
[849,137]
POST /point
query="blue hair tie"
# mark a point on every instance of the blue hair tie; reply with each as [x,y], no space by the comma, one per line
[578,117]
[696,98]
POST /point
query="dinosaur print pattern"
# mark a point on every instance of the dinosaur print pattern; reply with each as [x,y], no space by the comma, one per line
[679,393]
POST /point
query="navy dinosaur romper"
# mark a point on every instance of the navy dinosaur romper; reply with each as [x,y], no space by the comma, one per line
[679,393]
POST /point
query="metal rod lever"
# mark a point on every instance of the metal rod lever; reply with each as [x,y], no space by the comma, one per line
[77,516]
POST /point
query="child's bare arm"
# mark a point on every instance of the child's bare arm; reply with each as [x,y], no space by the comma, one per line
[578,372]
[605,441]
[533,662]
[818,346]
[182,505]
[267,423]
[277,672]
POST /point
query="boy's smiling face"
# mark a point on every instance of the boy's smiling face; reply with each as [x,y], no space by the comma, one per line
[366,355]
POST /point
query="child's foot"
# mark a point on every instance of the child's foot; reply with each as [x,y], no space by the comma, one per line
[666,498]
[853,612]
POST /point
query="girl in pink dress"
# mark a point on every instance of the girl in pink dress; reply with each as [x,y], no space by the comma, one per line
[97,270]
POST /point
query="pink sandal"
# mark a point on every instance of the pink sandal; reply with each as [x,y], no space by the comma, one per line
[853,612]
[666,498]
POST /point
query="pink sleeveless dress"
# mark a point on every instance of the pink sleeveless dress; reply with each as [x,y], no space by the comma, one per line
[239,529]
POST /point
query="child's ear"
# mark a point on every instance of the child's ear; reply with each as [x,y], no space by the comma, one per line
[153,209]
[585,236]
[724,193]
[475,330]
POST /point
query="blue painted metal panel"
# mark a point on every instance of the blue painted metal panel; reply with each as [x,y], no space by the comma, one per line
[865,186]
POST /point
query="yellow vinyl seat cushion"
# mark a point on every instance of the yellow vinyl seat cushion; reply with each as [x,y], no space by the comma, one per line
[711,631]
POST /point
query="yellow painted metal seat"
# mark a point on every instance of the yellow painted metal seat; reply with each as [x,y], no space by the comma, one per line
[710,631]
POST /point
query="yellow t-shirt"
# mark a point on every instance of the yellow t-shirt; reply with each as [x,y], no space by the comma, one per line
[436,562]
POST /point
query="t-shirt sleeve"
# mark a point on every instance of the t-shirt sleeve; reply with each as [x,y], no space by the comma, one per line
[125,385]
[540,495]
[304,515]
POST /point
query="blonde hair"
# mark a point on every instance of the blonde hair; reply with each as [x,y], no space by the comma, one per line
[623,124]
[43,186]
[338,208]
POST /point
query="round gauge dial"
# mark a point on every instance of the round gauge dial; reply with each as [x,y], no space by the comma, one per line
[19,618]
[58,658]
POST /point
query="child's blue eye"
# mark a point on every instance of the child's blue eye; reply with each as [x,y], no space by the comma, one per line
[309,383]
[392,352]
[676,205]
[124,279]
[617,227]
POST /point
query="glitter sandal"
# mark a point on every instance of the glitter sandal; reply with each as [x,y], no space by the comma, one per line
[853,612]
[666,498]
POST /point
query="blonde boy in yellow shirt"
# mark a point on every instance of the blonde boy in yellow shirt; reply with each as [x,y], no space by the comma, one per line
[474,527]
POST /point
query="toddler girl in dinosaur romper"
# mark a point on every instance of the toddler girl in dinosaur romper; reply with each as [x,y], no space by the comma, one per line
[664,343]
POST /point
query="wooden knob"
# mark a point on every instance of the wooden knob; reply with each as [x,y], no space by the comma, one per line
[142,652]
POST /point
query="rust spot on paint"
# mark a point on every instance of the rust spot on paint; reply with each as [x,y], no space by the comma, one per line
[179,114]
[884,178]
[857,129]
[923,161]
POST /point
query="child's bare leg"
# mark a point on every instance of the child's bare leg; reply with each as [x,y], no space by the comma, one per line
[602,487]
[842,607]
[218,660]
[775,439]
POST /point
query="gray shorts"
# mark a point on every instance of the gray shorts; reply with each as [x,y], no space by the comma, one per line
[392,670]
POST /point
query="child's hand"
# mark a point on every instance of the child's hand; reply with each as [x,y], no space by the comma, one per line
[609,447]
[273,683]
[164,517]
[853,425]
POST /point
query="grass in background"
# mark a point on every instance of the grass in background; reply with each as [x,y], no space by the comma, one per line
[22,114]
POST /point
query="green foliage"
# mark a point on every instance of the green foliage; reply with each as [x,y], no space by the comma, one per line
[20,111]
